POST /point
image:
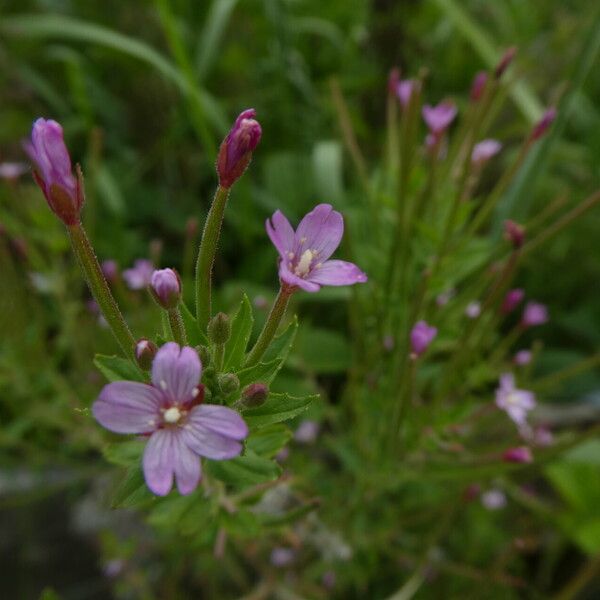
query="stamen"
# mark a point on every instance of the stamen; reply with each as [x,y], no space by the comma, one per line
[172,415]
[303,266]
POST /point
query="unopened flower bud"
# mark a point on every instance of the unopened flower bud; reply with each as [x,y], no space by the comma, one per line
[478,85]
[393,80]
[165,287]
[145,351]
[254,395]
[512,299]
[110,270]
[514,233]
[52,171]
[236,150]
[228,383]
[219,328]
[505,61]
[534,314]
[543,124]
[521,454]
[522,357]
[421,336]
[204,354]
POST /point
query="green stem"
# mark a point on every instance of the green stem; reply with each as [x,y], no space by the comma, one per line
[206,256]
[270,328]
[177,326]
[219,357]
[100,290]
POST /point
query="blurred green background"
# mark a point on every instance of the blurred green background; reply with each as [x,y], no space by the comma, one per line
[145,92]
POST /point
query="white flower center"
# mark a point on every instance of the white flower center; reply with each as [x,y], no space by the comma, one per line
[303,266]
[513,399]
[172,415]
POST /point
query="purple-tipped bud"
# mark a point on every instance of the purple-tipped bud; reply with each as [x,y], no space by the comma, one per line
[478,85]
[236,150]
[484,150]
[534,314]
[110,270]
[438,118]
[52,171]
[505,61]
[512,299]
[254,395]
[145,351]
[421,336]
[514,233]
[393,80]
[543,124]
[522,358]
[521,454]
[405,90]
[165,287]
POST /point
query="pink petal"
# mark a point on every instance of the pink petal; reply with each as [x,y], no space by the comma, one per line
[220,419]
[159,461]
[281,233]
[176,371]
[288,277]
[208,443]
[321,229]
[337,272]
[186,465]
[127,407]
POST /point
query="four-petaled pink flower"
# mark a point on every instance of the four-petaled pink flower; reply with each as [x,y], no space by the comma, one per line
[53,170]
[517,403]
[438,118]
[139,276]
[180,428]
[534,314]
[421,335]
[304,253]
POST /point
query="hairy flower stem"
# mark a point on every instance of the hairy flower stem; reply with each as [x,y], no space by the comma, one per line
[100,290]
[270,329]
[206,256]
[177,326]
[219,357]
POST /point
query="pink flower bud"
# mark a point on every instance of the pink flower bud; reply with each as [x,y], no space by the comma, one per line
[512,299]
[483,151]
[522,358]
[405,90]
[145,351]
[254,395]
[52,171]
[521,454]
[421,336]
[478,85]
[165,287]
[236,150]
[505,61]
[393,80]
[534,314]
[514,233]
[110,270]
[543,124]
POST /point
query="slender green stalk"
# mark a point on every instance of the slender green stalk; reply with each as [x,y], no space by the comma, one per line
[270,328]
[206,256]
[219,357]
[177,326]
[100,290]
[551,381]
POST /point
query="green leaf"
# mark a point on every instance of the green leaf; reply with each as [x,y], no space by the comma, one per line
[262,372]
[244,471]
[132,490]
[194,335]
[280,347]
[241,328]
[277,408]
[322,351]
[115,368]
[125,454]
[288,517]
[269,440]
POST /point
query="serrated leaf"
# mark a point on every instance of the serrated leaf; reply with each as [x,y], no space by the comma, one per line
[125,454]
[115,368]
[194,335]
[241,329]
[280,347]
[269,440]
[132,491]
[277,408]
[262,372]
[245,470]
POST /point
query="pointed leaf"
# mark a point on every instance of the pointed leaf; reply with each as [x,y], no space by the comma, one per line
[277,408]
[244,471]
[269,440]
[241,328]
[194,335]
[280,347]
[262,372]
[115,368]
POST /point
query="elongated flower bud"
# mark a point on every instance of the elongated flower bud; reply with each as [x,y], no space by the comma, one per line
[514,233]
[421,336]
[521,454]
[52,171]
[165,287]
[543,124]
[219,328]
[512,299]
[478,85]
[236,150]
[505,61]
[145,351]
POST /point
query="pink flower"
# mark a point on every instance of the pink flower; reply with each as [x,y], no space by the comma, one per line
[438,118]
[307,432]
[304,253]
[139,276]
[522,357]
[421,336]
[405,90]
[484,150]
[512,299]
[237,148]
[53,170]
[517,403]
[493,499]
[181,429]
[534,314]
[478,85]
[110,269]
[473,309]
[521,454]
